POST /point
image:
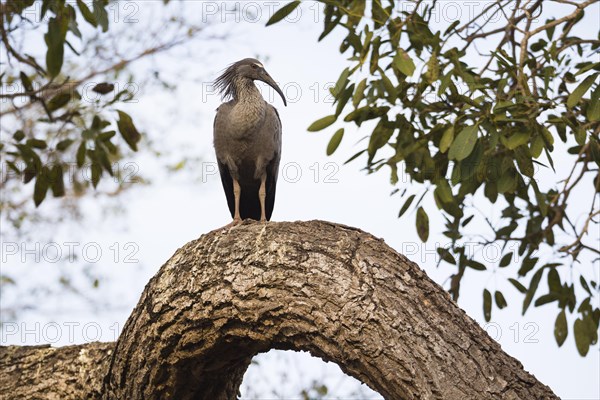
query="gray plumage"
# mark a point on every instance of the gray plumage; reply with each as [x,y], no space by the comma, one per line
[247,140]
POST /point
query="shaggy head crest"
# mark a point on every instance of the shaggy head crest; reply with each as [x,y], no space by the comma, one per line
[225,83]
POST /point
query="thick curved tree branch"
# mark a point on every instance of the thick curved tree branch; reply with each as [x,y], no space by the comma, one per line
[335,291]
[44,372]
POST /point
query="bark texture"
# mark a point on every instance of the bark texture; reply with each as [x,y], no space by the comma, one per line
[44,372]
[335,291]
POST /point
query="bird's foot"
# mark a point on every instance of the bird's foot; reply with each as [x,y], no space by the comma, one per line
[235,222]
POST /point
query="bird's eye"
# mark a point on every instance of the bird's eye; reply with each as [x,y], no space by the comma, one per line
[254,66]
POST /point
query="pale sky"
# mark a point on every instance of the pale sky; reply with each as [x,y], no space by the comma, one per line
[162,217]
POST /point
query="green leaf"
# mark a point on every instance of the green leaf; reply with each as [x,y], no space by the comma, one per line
[359,93]
[446,255]
[464,143]
[355,156]
[128,130]
[476,265]
[57,181]
[96,173]
[593,111]
[36,143]
[329,24]
[545,299]
[283,12]
[366,113]
[55,40]
[403,63]
[104,136]
[41,187]
[26,82]
[518,285]
[584,285]
[582,340]
[539,45]
[322,123]
[422,224]
[443,191]
[516,140]
[451,27]
[554,283]
[102,157]
[100,14]
[533,285]
[466,221]
[374,62]
[506,260]
[64,144]
[379,14]
[580,135]
[81,151]
[447,139]
[586,67]
[343,98]
[580,90]
[45,5]
[389,88]
[380,137]
[508,181]
[433,69]
[445,82]
[550,30]
[536,146]
[341,83]
[103,88]
[88,15]
[540,198]
[561,329]
[548,138]
[500,300]
[595,150]
[58,101]
[335,141]
[527,265]
[487,305]
[407,204]
[19,135]
[524,161]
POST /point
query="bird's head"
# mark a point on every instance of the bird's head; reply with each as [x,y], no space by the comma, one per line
[247,68]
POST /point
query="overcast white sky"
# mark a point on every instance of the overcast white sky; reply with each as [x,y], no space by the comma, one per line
[163,216]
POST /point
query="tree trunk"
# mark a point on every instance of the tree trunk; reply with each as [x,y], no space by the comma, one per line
[335,291]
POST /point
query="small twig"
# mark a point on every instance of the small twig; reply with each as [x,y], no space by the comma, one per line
[11,51]
[576,42]
[583,232]
[483,12]
[566,18]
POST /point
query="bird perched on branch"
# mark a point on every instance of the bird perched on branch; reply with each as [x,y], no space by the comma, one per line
[247,140]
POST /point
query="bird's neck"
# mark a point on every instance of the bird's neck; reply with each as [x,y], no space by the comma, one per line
[248,109]
[247,92]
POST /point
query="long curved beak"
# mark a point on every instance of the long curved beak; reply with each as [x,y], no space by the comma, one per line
[266,78]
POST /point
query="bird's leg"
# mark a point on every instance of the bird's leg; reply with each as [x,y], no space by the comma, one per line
[262,193]
[236,194]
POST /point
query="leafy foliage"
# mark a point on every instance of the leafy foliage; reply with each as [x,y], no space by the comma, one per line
[472,132]
[71,131]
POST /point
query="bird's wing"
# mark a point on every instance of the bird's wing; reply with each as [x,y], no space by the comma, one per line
[226,178]
[227,182]
[273,166]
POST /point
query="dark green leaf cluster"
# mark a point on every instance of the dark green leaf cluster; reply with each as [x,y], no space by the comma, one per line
[71,133]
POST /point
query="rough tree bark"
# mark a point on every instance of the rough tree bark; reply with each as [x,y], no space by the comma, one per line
[337,292]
